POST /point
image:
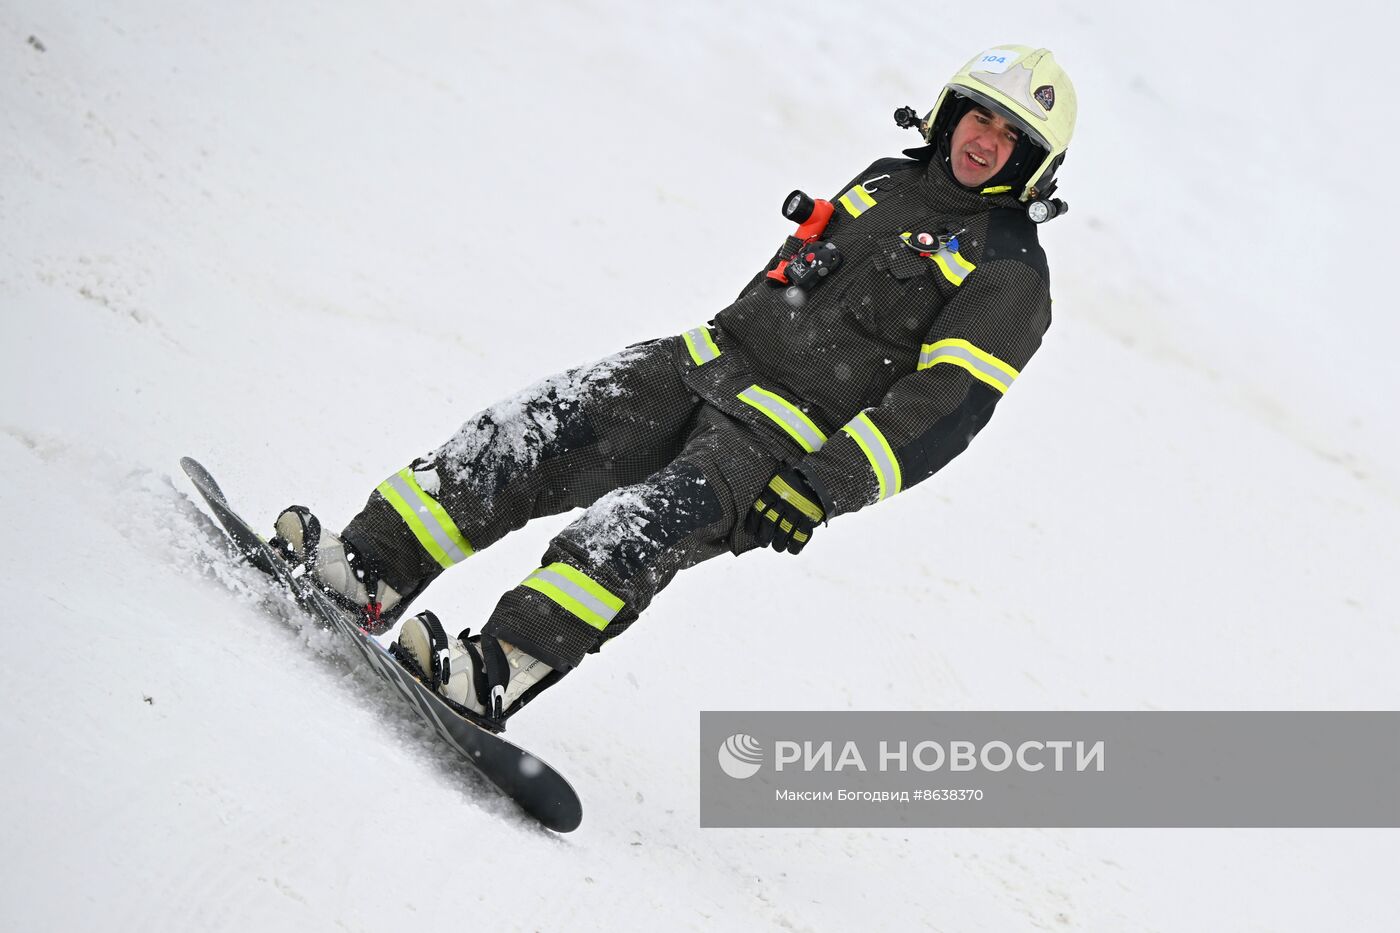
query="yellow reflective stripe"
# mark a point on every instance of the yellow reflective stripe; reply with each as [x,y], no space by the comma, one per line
[804,505]
[980,363]
[786,415]
[997,189]
[439,537]
[701,345]
[856,201]
[952,265]
[799,536]
[877,450]
[576,592]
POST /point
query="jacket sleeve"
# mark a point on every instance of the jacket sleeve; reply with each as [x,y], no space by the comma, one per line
[982,339]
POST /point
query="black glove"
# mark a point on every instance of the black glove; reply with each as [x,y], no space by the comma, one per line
[785,513]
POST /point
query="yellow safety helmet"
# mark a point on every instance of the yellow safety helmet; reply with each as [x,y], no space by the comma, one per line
[1029,88]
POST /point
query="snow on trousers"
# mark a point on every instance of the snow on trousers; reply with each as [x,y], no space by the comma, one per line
[664,477]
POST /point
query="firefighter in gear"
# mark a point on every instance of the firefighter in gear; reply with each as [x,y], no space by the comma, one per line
[862,359]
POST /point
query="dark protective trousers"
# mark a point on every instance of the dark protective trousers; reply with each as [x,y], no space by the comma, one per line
[664,479]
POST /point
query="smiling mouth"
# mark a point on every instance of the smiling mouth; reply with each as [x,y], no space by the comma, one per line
[977,160]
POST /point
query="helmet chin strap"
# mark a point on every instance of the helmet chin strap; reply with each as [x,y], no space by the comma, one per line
[1017,165]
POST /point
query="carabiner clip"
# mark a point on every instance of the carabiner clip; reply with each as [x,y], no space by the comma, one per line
[865,185]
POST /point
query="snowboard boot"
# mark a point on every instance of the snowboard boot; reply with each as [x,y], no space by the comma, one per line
[483,678]
[347,576]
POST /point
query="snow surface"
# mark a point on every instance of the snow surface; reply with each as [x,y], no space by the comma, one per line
[303,242]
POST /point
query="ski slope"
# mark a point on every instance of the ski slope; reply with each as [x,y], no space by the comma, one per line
[303,242]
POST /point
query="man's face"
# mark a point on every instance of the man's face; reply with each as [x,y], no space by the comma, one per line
[981,144]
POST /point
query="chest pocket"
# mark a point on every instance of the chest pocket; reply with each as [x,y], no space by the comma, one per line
[901,296]
[950,263]
[900,261]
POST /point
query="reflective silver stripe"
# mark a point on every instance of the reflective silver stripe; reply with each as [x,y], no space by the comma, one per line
[878,451]
[701,345]
[856,201]
[577,593]
[953,266]
[429,522]
[980,363]
[798,426]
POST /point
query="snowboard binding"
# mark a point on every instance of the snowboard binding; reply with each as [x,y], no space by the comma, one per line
[338,567]
[471,673]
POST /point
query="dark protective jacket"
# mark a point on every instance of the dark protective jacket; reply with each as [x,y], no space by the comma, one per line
[877,380]
[898,358]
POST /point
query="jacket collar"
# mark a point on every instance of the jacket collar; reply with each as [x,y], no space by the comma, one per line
[937,185]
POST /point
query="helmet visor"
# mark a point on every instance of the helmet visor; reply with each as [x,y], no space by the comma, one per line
[1000,109]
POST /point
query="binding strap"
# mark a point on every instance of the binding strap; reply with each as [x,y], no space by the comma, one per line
[439,649]
[491,673]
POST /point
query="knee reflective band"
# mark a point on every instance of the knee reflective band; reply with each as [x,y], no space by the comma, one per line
[701,345]
[428,521]
[787,416]
[980,363]
[877,451]
[856,201]
[576,592]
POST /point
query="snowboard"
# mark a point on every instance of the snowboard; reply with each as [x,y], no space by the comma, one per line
[536,787]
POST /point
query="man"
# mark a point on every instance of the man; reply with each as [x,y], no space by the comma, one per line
[858,363]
